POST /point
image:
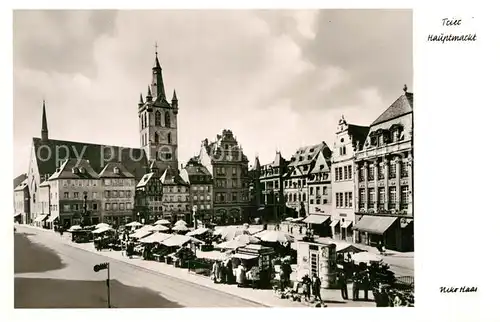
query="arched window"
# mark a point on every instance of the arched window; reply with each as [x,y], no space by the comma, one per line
[145,120]
[169,138]
[304,197]
[167,119]
[157,138]
[157,118]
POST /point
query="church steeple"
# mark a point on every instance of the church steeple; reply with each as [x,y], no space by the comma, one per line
[141,101]
[45,129]
[157,87]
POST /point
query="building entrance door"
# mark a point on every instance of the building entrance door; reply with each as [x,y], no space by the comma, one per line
[343,231]
[314,262]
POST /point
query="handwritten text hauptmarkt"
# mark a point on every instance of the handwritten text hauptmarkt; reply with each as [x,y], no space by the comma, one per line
[451,37]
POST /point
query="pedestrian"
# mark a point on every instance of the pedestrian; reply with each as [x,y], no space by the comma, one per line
[216,271]
[365,284]
[306,287]
[316,286]
[384,298]
[355,286]
[343,285]
[240,275]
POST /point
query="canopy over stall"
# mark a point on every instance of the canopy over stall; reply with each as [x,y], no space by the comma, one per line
[102,225]
[159,228]
[180,240]
[197,232]
[155,238]
[102,230]
[74,228]
[180,222]
[366,257]
[274,236]
[231,244]
[343,247]
[134,224]
[180,228]
[375,224]
[141,233]
[162,222]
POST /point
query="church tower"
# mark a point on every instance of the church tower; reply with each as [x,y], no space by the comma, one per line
[158,123]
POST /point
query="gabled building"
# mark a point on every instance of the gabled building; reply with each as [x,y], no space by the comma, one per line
[149,197]
[228,165]
[48,155]
[176,200]
[347,138]
[200,189]
[22,202]
[118,184]
[74,194]
[272,187]
[295,181]
[384,178]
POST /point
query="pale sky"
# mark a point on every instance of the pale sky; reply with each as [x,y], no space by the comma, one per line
[277,79]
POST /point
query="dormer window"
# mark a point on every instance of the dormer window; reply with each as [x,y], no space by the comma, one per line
[301,158]
[321,167]
[309,157]
[311,150]
[75,170]
[116,170]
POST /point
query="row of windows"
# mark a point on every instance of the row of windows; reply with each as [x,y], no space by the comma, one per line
[343,199]
[223,183]
[81,183]
[381,194]
[318,201]
[386,137]
[222,197]
[295,197]
[119,182]
[77,207]
[312,191]
[173,189]
[201,198]
[298,183]
[179,198]
[322,176]
[275,184]
[222,170]
[379,171]
[201,188]
[117,194]
[77,195]
[343,173]
[118,206]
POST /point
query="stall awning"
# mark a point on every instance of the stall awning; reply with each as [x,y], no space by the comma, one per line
[375,224]
[316,219]
[16,215]
[244,256]
[335,222]
[40,218]
[346,224]
[52,217]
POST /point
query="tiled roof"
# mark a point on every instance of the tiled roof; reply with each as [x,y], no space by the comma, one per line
[21,186]
[168,178]
[307,154]
[145,179]
[358,133]
[19,179]
[403,105]
[75,169]
[110,172]
[135,160]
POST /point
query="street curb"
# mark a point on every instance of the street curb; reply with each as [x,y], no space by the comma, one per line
[160,273]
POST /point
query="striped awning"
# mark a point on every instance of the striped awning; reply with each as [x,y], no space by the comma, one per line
[52,217]
[316,219]
[375,224]
[40,218]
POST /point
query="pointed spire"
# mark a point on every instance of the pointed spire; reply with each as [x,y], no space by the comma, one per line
[157,62]
[45,130]
[174,97]
[405,88]
[141,100]
[149,97]
[157,86]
